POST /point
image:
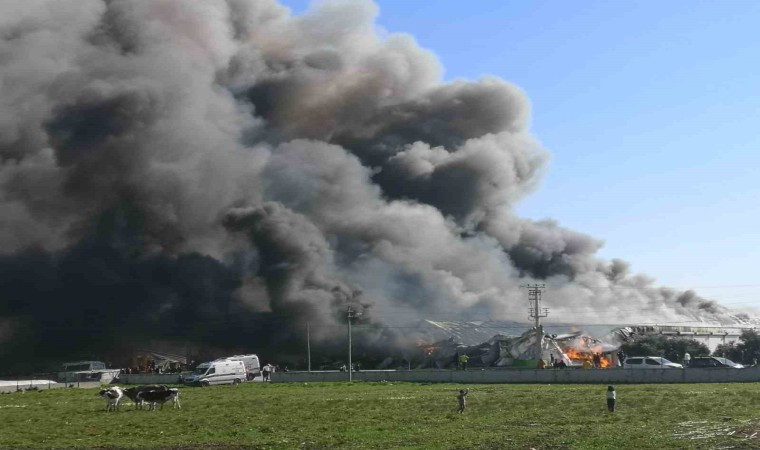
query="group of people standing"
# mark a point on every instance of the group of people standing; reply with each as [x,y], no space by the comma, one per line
[152,367]
[554,363]
[356,367]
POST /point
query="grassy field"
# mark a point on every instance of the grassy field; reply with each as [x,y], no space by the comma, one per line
[394,415]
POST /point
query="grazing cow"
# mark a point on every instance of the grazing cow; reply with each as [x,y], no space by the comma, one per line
[112,396]
[160,397]
[132,392]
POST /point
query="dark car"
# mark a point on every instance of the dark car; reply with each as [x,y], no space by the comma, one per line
[714,361]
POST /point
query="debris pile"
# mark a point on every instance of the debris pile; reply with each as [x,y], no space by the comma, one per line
[503,350]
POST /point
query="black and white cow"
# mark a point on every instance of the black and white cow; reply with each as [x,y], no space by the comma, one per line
[160,397]
[112,396]
[132,392]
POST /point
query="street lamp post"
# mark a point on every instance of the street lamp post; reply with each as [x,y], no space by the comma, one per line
[350,315]
[308,345]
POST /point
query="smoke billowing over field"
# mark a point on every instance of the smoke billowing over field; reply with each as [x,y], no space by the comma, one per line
[223,171]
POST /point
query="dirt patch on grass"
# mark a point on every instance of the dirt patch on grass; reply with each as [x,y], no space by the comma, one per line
[731,434]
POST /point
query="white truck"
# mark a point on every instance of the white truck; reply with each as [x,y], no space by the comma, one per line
[251,362]
[221,371]
[87,371]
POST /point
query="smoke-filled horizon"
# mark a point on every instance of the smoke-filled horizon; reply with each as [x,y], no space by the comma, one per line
[222,172]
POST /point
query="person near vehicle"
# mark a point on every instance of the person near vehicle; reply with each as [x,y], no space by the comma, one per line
[686,359]
[463,358]
[265,371]
[462,398]
[541,364]
[611,397]
[621,357]
[587,364]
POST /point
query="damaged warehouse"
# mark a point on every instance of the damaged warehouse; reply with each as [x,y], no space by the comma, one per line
[515,345]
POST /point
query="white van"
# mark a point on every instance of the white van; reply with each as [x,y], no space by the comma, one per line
[217,372]
[251,362]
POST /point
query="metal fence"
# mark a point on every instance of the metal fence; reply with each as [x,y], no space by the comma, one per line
[528,376]
[42,381]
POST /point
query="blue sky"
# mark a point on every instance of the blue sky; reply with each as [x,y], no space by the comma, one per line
[650,110]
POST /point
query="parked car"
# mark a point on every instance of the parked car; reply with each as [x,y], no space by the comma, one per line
[714,361]
[649,362]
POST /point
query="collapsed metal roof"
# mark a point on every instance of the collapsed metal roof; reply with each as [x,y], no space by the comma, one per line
[476,332]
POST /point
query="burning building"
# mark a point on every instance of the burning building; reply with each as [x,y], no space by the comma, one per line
[517,343]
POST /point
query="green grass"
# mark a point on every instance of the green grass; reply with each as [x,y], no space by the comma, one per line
[394,415]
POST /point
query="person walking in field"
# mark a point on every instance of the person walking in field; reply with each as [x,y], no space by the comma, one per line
[611,397]
[462,398]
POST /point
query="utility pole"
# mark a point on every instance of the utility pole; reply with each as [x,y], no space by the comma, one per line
[308,345]
[534,297]
[536,312]
[350,315]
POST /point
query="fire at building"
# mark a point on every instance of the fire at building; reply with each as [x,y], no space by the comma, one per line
[502,344]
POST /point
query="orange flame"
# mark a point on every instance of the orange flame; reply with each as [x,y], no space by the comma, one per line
[578,355]
[427,348]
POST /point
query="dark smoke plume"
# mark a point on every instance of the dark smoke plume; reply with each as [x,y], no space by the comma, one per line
[221,172]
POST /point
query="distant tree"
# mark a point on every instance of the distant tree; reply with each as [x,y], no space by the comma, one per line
[644,346]
[669,347]
[729,351]
[746,351]
[675,348]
